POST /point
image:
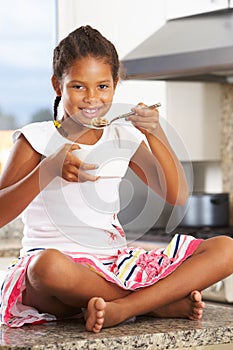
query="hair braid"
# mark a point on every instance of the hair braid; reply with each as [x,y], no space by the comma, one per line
[55,107]
[55,121]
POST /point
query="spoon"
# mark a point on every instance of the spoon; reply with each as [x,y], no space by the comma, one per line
[103,122]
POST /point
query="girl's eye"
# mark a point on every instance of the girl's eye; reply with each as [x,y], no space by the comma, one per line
[103,86]
[78,87]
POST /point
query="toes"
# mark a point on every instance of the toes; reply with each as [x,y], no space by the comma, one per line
[96,329]
[100,304]
[100,314]
[197,312]
[197,305]
[98,324]
[100,321]
[196,296]
[95,314]
[194,318]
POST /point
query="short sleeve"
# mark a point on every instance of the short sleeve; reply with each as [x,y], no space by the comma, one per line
[42,136]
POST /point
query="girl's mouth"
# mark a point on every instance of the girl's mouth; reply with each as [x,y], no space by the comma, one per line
[91,112]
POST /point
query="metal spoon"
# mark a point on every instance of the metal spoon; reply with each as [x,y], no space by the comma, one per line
[122,116]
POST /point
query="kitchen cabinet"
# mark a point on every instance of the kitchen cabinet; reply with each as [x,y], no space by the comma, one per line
[182,8]
[194,110]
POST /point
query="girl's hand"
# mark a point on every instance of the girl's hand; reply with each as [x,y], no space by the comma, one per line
[65,164]
[145,118]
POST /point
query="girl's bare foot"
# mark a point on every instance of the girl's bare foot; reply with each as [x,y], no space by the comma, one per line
[100,314]
[190,307]
[94,314]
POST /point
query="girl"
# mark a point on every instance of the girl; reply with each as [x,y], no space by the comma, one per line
[74,253]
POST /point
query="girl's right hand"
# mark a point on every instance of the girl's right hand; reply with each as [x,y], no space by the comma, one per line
[65,164]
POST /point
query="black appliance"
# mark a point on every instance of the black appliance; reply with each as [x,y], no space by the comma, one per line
[205,209]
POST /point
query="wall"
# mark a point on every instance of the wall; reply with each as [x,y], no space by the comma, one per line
[194,110]
[125,23]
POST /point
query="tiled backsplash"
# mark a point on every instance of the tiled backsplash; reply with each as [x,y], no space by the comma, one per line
[227,142]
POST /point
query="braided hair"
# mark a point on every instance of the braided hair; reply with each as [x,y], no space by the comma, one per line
[82,42]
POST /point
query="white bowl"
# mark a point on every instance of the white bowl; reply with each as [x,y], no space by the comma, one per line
[111,162]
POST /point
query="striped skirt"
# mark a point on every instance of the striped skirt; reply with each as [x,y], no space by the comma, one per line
[131,268]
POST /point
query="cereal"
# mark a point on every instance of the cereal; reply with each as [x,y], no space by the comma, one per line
[99,122]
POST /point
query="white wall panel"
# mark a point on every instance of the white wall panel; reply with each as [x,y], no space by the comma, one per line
[125,22]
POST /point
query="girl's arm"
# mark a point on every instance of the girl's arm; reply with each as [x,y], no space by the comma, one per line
[26,174]
[19,182]
[161,169]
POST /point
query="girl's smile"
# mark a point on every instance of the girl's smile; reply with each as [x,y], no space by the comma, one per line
[91,112]
[87,89]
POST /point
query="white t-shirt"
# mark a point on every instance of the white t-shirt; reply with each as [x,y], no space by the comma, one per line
[76,216]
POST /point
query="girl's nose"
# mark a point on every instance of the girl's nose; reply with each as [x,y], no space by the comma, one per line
[91,96]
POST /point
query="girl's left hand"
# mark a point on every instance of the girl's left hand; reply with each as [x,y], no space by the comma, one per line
[145,118]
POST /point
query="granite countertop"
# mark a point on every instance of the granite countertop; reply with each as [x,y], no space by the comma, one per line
[145,333]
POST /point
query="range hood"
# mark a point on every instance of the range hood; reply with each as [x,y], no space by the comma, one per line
[196,48]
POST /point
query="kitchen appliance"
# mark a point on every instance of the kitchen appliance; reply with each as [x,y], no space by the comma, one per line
[205,209]
[194,48]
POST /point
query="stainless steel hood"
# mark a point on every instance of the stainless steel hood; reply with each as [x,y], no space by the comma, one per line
[196,48]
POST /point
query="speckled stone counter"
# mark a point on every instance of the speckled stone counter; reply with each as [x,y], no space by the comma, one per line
[145,333]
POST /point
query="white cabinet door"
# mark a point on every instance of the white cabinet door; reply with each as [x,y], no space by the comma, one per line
[194,111]
[182,8]
[231,3]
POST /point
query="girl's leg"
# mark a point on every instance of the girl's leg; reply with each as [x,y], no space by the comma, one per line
[190,307]
[57,285]
[211,262]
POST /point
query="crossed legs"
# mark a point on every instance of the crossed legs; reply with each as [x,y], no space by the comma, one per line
[64,287]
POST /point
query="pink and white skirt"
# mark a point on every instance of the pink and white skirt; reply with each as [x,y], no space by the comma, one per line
[131,269]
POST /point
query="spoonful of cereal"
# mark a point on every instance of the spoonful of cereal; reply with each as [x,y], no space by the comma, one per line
[98,123]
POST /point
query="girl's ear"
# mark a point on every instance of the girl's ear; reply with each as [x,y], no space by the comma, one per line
[56,85]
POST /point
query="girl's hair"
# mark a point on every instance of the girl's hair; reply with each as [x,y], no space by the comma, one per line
[83,42]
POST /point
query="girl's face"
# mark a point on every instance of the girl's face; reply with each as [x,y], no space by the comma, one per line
[87,90]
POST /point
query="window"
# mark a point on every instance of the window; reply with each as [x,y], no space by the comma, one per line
[27,39]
